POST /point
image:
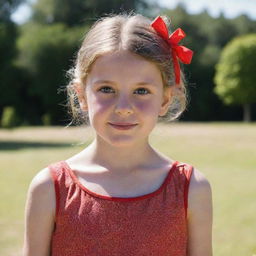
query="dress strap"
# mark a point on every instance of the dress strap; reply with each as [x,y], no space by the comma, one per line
[187,170]
[56,171]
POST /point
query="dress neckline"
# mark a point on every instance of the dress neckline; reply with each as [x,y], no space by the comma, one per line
[157,191]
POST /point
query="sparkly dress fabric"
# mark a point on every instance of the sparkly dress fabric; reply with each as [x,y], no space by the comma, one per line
[95,225]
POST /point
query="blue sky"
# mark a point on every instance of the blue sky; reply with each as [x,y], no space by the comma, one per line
[230,8]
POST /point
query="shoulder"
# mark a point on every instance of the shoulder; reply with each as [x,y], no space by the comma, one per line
[198,181]
[42,180]
[39,214]
[200,193]
[41,191]
[199,215]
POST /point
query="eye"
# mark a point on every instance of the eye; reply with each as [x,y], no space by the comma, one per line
[106,89]
[142,91]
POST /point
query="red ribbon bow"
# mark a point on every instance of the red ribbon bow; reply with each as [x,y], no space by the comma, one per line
[178,51]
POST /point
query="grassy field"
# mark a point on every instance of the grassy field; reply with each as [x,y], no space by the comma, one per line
[224,152]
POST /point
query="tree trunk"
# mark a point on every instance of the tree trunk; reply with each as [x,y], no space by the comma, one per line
[247,112]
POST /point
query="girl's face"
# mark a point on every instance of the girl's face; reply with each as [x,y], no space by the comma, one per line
[123,88]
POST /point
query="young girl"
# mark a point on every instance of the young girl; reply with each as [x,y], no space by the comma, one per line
[120,196]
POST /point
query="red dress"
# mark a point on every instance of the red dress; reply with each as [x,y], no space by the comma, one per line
[91,224]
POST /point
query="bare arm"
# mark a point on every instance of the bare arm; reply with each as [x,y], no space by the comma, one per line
[199,216]
[39,215]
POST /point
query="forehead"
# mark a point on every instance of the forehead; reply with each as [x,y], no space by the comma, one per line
[125,65]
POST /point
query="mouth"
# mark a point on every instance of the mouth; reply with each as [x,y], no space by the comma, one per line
[123,126]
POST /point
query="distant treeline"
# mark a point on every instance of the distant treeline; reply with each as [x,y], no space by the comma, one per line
[35,56]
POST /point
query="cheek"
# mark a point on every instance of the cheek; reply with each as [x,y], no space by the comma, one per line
[148,106]
[98,105]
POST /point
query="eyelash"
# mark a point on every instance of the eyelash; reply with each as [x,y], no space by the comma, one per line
[148,92]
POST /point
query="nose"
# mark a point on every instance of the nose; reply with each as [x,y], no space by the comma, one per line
[123,106]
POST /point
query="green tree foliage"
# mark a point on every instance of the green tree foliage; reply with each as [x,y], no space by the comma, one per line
[206,36]
[244,25]
[46,53]
[9,118]
[75,12]
[10,85]
[7,7]
[235,77]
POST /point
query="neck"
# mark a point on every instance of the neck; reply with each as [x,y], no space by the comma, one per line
[120,158]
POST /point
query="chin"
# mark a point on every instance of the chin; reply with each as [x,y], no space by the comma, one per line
[120,141]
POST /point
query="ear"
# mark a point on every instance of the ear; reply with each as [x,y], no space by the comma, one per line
[80,91]
[166,100]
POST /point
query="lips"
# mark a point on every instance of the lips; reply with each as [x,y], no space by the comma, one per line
[123,126]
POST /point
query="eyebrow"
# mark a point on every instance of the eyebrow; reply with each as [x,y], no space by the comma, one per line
[112,82]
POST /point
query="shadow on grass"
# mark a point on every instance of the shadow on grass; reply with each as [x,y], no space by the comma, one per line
[15,145]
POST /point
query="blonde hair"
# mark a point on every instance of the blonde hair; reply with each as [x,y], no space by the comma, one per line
[125,32]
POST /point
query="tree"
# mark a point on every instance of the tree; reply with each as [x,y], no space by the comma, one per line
[235,73]
[206,53]
[9,83]
[77,12]
[46,53]
[244,25]
[7,7]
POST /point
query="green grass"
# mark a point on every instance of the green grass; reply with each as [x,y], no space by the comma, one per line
[224,152]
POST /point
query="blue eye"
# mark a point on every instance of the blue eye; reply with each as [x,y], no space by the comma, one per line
[140,91]
[143,90]
[106,89]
